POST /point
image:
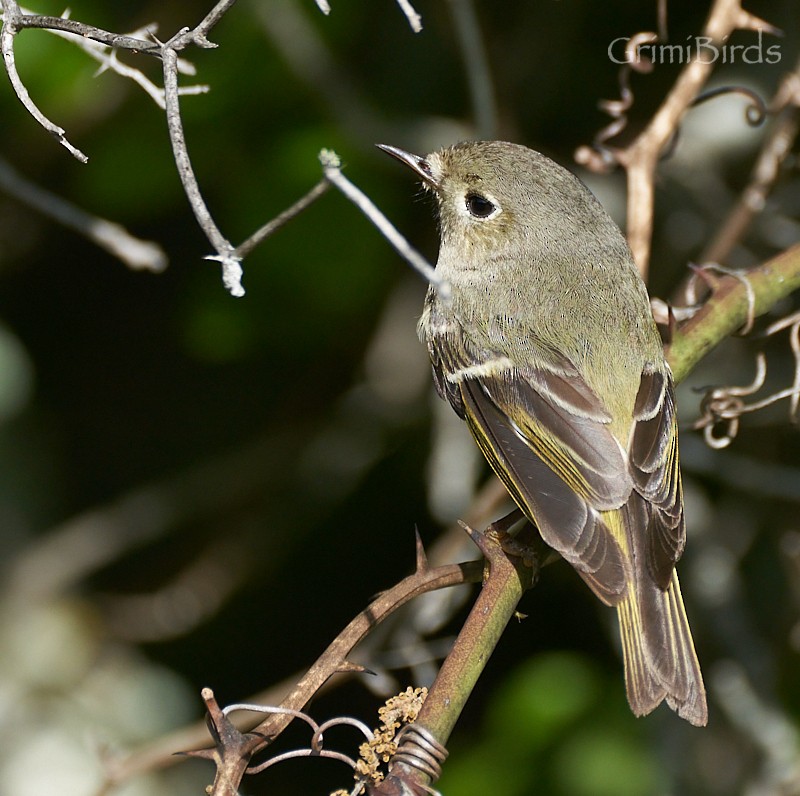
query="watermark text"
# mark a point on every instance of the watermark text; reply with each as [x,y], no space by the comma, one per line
[697,48]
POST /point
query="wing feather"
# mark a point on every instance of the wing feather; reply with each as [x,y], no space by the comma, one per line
[532,469]
[656,474]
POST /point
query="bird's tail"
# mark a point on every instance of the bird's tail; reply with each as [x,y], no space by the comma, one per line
[660,661]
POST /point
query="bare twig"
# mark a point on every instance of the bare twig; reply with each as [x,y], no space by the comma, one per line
[108,58]
[226,254]
[115,239]
[414,19]
[14,20]
[332,168]
[12,24]
[641,157]
[116,40]
[243,249]
[776,147]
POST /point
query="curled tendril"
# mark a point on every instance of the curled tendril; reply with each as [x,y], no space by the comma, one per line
[316,749]
[725,405]
[703,272]
[756,110]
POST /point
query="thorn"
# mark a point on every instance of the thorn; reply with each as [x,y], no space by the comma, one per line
[473,534]
[702,272]
[422,558]
[747,21]
[203,754]
[505,523]
[348,667]
[672,324]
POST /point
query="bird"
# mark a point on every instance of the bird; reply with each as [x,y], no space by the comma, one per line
[545,344]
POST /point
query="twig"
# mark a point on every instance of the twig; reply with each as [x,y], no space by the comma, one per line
[243,249]
[507,581]
[12,24]
[332,168]
[231,264]
[115,239]
[120,42]
[108,59]
[776,147]
[727,309]
[414,19]
[640,159]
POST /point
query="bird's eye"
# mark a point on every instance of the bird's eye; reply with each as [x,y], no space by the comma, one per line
[479,206]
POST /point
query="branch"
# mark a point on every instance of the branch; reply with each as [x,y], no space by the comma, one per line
[640,158]
[13,22]
[508,579]
[733,300]
[243,249]
[108,59]
[234,750]
[332,168]
[776,147]
[231,268]
[84,31]
[137,254]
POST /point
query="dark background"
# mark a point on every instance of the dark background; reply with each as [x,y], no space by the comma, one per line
[199,490]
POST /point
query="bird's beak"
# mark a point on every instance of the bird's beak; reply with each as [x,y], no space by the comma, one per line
[415,162]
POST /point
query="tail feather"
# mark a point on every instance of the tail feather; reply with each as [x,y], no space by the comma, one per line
[660,661]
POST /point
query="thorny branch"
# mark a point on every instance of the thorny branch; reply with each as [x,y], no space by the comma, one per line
[234,750]
[785,107]
[641,157]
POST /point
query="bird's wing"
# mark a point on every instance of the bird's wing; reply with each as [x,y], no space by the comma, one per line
[653,453]
[546,435]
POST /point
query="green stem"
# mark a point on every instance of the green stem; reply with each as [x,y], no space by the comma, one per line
[727,309]
[508,580]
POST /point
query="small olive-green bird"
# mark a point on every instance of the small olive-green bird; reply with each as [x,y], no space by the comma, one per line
[548,349]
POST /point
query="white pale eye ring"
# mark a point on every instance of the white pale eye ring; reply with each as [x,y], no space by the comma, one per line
[480,206]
